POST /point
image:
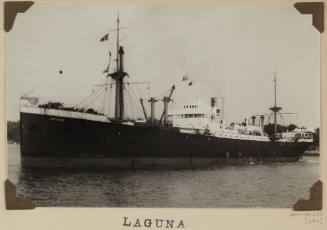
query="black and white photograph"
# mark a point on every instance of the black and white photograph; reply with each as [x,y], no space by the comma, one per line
[163,105]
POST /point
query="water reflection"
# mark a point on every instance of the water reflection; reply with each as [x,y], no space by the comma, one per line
[270,185]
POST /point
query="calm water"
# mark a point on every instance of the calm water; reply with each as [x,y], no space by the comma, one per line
[271,185]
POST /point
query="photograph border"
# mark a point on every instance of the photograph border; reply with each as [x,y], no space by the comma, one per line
[194,218]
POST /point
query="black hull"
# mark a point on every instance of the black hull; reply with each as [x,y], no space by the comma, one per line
[49,141]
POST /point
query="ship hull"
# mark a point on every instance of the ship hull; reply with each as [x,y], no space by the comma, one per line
[52,141]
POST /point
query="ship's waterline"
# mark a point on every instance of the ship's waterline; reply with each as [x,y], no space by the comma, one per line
[145,163]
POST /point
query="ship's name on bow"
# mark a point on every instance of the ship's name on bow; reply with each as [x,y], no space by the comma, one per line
[152,223]
[56,119]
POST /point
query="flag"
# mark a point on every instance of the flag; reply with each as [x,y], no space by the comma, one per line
[104,38]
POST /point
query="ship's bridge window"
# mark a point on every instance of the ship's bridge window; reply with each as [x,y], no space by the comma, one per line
[193,115]
[189,106]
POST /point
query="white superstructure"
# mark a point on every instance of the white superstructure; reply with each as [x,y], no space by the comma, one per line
[199,117]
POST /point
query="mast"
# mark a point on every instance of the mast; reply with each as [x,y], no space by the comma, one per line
[117,46]
[275,109]
[118,76]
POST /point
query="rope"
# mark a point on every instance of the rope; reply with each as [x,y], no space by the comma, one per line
[109,96]
[134,102]
[85,100]
[91,102]
[94,95]
[105,95]
[79,103]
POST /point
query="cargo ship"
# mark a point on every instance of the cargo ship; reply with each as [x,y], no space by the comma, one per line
[193,134]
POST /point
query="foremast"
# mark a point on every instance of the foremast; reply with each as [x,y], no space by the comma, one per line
[119,76]
[275,109]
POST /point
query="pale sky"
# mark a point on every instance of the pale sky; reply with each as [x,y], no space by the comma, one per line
[229,51]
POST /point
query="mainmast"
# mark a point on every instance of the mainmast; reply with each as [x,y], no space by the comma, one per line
[275,109]
[118,76]
[117,46]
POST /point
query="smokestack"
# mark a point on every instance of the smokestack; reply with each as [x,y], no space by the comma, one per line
[222,108]
[218,104]
[213,101]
